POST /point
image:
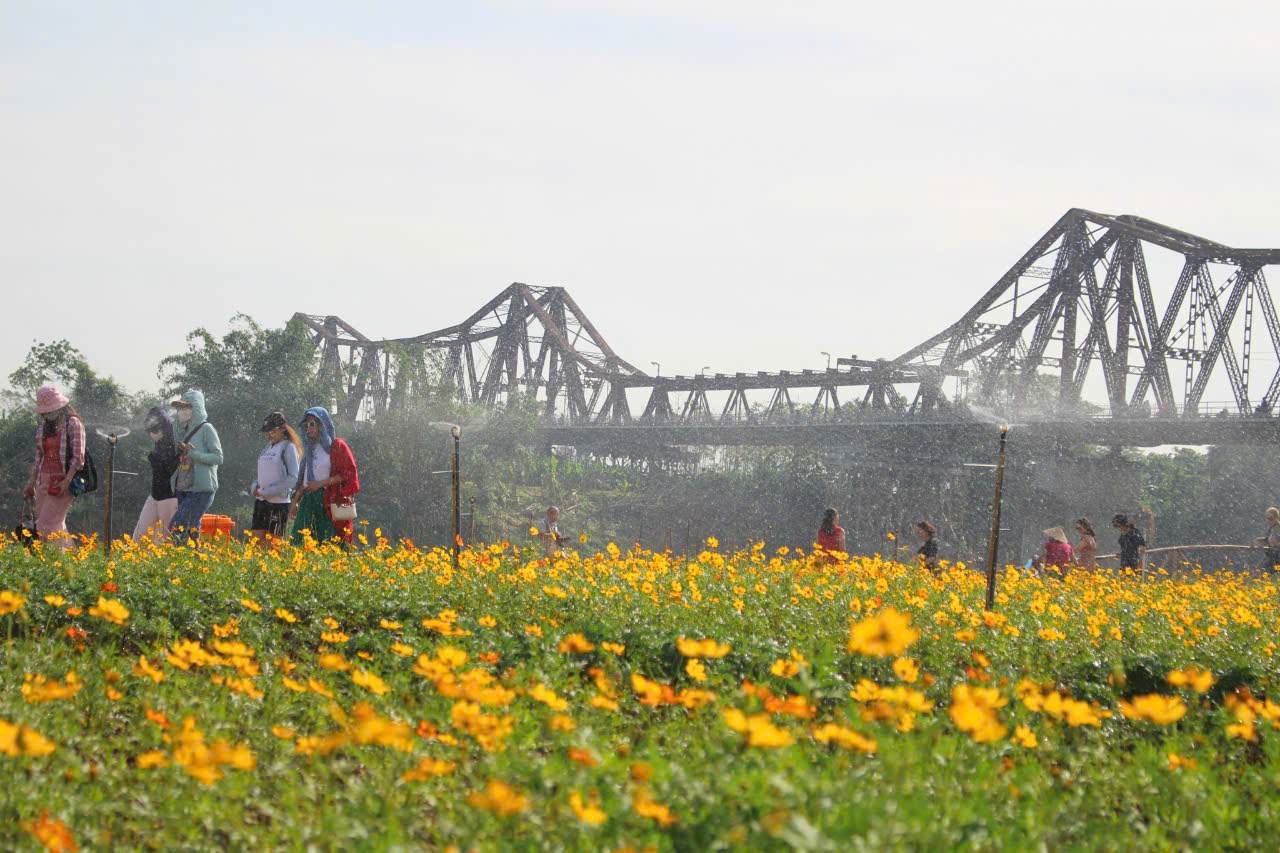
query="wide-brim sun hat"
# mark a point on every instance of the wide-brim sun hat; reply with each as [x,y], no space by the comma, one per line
[50,398]
[1057,534]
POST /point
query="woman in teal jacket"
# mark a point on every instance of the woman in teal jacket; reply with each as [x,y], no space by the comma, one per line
[199,455]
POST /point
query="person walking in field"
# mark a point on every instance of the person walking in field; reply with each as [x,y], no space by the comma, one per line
[1057,555]
[927,553]
[59,457]
[550,533]
[276,476]
[161,504]
[1087,547]
[1270,542]
[195,482]
[1132,545]
[328,482]
[831,535]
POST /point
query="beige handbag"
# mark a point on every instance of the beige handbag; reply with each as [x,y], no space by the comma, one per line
[343,512]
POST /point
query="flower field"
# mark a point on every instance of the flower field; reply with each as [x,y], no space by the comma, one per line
[250,698]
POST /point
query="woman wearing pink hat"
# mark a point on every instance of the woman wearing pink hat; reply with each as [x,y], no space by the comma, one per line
[59,456]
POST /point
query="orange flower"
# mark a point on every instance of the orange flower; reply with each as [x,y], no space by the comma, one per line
[52,833]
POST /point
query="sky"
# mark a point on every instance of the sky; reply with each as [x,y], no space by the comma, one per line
[739,185]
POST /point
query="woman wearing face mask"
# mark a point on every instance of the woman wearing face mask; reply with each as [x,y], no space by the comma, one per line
[161,504]
[199,455]
[59,456]
[277,473]
[328,477]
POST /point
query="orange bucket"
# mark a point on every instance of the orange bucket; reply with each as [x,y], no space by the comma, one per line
[213,525]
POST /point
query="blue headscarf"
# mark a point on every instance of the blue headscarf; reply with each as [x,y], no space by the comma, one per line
[327,433]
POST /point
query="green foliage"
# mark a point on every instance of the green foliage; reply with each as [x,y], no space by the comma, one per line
[926,786]
[245,375]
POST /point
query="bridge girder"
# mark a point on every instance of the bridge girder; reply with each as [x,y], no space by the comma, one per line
[1079,302]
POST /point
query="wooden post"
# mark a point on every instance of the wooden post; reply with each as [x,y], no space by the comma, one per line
[457,526]
[993,542]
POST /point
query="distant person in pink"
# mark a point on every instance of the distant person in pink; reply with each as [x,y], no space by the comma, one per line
[1058,554]
[59,457]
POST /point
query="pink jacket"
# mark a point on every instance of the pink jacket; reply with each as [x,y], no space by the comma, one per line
[1058,553]
[77,445]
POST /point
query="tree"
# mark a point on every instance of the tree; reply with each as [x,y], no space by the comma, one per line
[94,396]
[245,375]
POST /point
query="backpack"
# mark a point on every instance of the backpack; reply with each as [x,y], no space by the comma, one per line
[86,479]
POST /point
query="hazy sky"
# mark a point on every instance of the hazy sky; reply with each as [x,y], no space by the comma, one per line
[738,184]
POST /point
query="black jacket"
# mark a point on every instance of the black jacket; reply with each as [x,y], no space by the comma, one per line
[164,458]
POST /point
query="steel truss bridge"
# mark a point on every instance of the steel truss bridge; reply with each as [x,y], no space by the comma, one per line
[1081,308]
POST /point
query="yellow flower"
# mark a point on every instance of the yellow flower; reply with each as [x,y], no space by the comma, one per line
[16,740]
[702,648]
[111,610]
[369,682]
[499,798]
[886,633]
[614,648]
[250,604]
[37,688]
[334,662]
[1246,730]
[337,638]
[548,697]
[285,616]
[52,600]
[1177,762]
[906,669]
[1197,679]
[844,738]
[404,651]
[389,625]
[973,710]
[428,768]
[782,667]
[561,723]
[655,811]
[145,669]
[283,732]
[695,669]
[588,811]
[151,759]
[1025,737]
[576,643]
[487,621]
[758,729]
[11,602]
[1155,708]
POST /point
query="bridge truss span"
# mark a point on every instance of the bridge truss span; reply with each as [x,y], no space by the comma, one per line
[1152,320]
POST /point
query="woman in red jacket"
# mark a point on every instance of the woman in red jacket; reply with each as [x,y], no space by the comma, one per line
[327,478]
[831,535]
